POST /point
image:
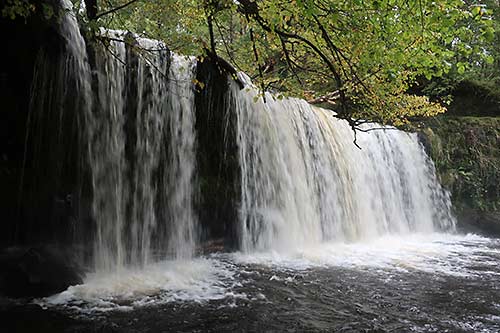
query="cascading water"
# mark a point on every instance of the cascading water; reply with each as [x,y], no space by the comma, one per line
[136,127]
[50,179]
[303,180]
[106,147]
[181,176]
[142,153]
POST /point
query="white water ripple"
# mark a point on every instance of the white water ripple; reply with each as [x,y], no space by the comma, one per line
[436,253]
[223,276]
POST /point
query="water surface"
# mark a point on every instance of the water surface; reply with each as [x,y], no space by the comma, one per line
[418,283]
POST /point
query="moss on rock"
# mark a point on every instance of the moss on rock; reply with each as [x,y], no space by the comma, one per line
[466,152]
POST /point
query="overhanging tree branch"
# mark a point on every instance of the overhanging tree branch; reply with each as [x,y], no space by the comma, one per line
[251,9]
[112,10]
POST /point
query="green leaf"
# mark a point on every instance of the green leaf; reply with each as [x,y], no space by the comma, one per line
[476,10]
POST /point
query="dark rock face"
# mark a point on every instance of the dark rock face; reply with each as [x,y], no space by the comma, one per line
[36,272]
[41,169]
[39,163]
[217,155]
[425,141]
[475,221]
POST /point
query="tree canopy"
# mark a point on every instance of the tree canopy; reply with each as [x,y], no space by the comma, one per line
[358,57]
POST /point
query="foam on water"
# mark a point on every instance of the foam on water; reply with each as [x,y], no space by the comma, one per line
[437,253]
[223,276]
[196,280]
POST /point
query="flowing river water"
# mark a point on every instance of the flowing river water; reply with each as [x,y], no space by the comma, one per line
[419,283]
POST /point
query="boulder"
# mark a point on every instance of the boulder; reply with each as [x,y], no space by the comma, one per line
[36,272]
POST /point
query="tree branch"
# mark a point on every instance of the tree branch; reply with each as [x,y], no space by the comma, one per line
[256,55]
[329,98]
[112,10]
[288,59]
[211,31]
[251,9]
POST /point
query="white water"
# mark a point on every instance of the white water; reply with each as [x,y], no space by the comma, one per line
[143,189]
[134,105]
[106,149]
[436,254]
[230,277]
[197,280]
[304,181]
[77,61]
[181,173]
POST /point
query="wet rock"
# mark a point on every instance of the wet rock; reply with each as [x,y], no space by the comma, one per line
[36,272]
[475,221]
[217,155]
[33,318]
[424,139]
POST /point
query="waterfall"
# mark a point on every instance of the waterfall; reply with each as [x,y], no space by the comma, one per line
[60,94]
[142,158]
[303,180]
[136,130]
[181,174]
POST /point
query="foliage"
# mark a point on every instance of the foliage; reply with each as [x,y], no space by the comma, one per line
[468,160]
[17,8]
[358,56]
[477,72]
[182,24]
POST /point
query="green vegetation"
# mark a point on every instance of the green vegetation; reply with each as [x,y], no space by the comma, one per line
[357,57]
[382,60]
[472,78]
[17,8]
[466,153]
